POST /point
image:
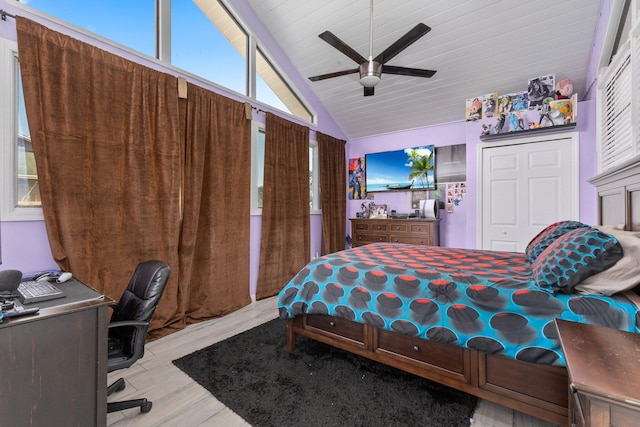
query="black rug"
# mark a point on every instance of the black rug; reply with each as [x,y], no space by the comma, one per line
[317,385]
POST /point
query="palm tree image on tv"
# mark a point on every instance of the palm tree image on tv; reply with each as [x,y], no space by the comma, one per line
[421,163]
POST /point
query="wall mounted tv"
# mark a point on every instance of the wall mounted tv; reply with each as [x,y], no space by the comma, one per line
[400,169]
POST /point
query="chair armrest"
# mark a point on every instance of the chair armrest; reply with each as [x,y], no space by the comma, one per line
[122,323]
[132,340]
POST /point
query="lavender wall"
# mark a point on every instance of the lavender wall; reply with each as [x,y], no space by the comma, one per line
[459,229]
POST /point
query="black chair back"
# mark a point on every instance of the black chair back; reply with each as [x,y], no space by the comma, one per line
[140,299]
[132,314]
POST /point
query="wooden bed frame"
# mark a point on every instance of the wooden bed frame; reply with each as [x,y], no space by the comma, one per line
[534,389]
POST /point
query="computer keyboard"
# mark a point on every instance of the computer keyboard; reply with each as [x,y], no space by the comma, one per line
[32,291]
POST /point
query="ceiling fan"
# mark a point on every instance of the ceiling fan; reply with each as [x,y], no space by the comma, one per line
[371,69]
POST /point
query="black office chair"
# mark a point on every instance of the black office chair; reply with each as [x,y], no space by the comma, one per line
[129,324]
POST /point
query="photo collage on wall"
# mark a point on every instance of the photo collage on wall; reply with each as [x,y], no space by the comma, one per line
[545,102]
[455,193]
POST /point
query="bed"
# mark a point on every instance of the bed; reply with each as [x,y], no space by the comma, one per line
[479,321]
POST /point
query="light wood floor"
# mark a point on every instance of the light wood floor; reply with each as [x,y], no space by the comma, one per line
[178,400]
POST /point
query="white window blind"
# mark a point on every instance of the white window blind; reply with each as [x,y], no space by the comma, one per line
[619,104]
[616,139]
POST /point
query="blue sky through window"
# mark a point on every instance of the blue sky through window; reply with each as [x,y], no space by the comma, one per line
[197,45]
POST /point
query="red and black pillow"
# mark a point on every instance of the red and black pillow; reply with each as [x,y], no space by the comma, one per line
[574,256]
[547,236]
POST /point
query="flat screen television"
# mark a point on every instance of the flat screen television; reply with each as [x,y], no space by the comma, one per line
[396,170]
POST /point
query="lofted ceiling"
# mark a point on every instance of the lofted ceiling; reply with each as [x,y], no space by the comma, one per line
[476,46]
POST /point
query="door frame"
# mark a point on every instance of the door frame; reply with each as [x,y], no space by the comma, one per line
[544,137]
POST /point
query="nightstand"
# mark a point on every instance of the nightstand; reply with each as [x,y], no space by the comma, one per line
[604,374]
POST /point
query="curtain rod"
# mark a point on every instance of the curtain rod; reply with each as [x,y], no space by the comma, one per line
[4,14]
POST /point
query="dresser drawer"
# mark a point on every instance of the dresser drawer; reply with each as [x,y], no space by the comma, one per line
[335,325]
[372,238]
[379,226]
[419,228]
[426,240]
[399,228]
[361,226]
[447,357]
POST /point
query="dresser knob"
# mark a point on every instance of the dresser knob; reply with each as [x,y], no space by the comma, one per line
[416,348]
[332,323]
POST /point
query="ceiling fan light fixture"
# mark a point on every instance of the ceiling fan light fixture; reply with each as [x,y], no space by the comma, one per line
[370,73]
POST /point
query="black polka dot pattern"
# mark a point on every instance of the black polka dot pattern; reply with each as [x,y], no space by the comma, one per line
[484,300]
[573,257]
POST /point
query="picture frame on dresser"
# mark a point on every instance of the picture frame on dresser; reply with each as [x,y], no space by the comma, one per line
[378,211]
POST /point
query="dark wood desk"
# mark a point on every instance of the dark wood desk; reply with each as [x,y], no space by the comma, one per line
[53,364]
[604,380]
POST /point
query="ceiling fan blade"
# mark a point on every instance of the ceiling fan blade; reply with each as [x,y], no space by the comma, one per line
[368,91]
[331,75]
[403,42]
[405,71]
[342,47]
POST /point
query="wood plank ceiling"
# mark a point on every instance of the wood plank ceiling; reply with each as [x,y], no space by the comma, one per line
[476,46]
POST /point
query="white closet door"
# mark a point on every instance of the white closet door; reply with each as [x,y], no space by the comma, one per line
[525,187]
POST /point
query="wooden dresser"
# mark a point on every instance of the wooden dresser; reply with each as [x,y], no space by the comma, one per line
[604,380]
[416,231]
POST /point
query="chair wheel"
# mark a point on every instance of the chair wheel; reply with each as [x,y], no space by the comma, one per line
[146,407]
[121,387]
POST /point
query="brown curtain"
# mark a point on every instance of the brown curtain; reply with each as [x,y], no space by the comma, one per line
[333,194]
[214,249]
[104,132]
[285,240]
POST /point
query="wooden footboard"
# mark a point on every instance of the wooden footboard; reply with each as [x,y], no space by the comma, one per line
[531,388]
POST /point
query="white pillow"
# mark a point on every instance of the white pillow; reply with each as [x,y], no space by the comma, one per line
[625,274]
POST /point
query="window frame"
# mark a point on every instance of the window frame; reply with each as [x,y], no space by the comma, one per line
[315,208]
[316,205]
[9,137]
[256,128]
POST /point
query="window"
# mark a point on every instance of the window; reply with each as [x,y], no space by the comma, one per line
[257,169]
[257,172]
[20,193]
[615,112]
[202,37]
[618,102]
[207,42]
[28,190]
[314,178]
[273,90]
[129,23]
